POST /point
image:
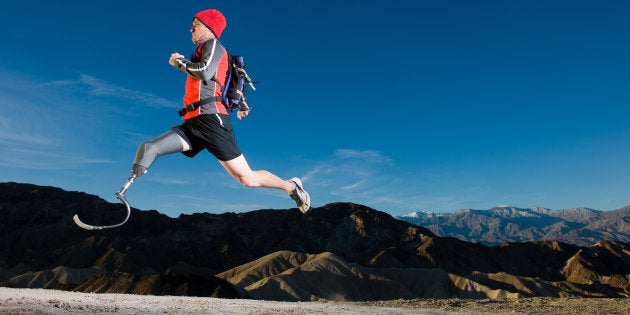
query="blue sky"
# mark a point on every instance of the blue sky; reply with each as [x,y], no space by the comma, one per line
[397,105]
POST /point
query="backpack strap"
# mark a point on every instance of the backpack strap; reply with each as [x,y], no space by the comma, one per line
[190,107]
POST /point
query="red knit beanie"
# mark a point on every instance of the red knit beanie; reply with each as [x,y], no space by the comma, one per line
[213,19]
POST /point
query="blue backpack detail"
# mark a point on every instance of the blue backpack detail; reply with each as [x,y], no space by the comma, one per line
[236,85]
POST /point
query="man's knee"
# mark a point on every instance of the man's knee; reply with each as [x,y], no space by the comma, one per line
[145,156]
[249,180]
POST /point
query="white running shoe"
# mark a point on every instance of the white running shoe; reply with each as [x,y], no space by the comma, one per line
[301,197]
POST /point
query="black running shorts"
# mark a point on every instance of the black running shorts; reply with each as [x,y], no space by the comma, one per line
[212,132]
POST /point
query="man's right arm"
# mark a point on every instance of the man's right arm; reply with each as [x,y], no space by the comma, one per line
[176,60]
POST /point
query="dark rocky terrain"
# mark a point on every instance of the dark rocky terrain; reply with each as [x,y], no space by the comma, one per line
[341,251]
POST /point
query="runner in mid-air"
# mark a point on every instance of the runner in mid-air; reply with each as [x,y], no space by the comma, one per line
[206,120]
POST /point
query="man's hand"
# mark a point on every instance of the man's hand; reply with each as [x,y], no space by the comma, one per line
[174,58]
[242,113]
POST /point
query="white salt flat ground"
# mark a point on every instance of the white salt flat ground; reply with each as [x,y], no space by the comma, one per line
[38,301]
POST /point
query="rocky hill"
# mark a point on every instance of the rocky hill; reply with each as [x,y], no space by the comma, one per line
[340,251]
[580,226]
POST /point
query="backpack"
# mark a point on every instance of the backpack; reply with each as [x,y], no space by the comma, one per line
[236,85]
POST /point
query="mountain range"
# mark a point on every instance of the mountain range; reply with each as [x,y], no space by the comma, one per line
[341,251]
[580,226]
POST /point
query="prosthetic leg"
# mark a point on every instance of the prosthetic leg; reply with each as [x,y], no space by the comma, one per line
[148,152]
[120,195]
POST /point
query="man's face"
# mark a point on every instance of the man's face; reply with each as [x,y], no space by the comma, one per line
[199,31]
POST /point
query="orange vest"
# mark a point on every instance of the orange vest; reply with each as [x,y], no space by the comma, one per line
[207,72]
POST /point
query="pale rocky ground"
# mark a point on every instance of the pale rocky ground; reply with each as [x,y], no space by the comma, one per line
[39,301]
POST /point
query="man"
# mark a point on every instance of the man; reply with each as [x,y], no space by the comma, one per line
[206,120]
